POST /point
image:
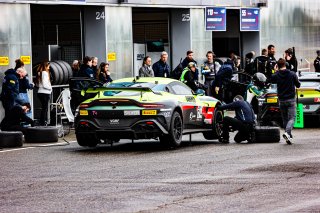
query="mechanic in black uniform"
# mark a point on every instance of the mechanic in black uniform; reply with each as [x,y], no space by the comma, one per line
[244,120]
[316,62]
[270,68]
[17,115]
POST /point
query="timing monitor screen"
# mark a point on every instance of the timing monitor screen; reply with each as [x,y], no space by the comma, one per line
[155,46]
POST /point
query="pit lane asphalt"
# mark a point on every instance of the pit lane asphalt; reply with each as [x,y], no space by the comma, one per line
[201,176]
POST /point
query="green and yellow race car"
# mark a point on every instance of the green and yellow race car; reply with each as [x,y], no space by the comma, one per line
[143,108]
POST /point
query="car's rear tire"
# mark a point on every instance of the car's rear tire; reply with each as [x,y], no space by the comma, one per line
[266,134]
[89,139]
[174,138]
[216,126]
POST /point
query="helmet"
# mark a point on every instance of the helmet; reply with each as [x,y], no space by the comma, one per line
[192,64]
[238,98]
[259,79]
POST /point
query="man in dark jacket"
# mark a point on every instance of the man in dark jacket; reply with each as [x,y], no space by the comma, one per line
[24,85]
[223,79]
[189,59]
[260,62]
[161,68]
[270,68]
[10,89]
[286,81]
[291,60]
[316,62]
[13,119]
[243,122]
[85,69]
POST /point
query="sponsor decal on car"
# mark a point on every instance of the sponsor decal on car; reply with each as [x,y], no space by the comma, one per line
[317,100]
[84,112]
[131,113]
[149,112]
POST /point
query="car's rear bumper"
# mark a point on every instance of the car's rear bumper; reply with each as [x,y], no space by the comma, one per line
[142,129]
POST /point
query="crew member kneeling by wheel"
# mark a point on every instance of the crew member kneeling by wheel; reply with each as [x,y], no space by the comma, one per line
[244,120]
[16,117]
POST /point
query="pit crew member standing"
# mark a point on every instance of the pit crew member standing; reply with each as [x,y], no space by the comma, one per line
[209,70]
[286,81]
[271,63]
[316,62]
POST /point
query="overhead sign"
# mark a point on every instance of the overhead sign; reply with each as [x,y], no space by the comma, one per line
[4,61]
[216,19]
[249,19]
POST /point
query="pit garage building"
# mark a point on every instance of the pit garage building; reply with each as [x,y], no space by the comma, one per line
[122,32]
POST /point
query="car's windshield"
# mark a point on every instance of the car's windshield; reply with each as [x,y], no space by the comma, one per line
[153,86]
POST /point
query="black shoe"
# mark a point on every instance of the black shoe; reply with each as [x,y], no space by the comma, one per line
[225,141]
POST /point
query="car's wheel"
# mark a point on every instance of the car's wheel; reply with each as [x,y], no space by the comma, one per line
[216,126]
[41,134]
[9,139]
[89,139]
[266,134]
[174,138]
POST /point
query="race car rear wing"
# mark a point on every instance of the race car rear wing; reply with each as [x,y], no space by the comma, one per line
[100,90]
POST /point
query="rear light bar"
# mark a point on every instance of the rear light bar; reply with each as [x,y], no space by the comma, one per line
[84,105]
[151,105]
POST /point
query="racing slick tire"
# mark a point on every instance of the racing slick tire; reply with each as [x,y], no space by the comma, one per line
[216,132]
[89,140]
[10,139]
[266,134]
[56,72]
[67,71]
[174,138]
[41,134]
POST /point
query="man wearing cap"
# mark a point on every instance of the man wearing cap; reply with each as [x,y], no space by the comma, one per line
[209,70]
[316,62]
[243,121]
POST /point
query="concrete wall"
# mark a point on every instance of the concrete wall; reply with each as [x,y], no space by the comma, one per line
[201,40]
[119,41]
[15,37]
[289,23]
[95,32]
[180,34]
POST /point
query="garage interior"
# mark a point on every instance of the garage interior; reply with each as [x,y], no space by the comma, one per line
[56,34]
[150,28]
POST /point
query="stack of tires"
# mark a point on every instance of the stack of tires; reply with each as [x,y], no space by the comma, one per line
[60,71]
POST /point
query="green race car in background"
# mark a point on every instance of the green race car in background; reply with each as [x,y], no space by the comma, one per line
[308,94]
[143,108]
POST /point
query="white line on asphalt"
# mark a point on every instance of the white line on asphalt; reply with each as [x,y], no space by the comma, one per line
[37,146]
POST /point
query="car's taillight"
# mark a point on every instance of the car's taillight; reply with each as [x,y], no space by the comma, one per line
[151,105]
[84,106]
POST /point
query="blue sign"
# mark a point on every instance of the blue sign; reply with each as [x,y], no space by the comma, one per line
[250,19]
[216,19]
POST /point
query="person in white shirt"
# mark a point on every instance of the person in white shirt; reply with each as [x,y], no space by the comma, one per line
[45,90]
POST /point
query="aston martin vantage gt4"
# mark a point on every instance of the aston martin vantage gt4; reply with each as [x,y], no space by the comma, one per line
[144,108]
